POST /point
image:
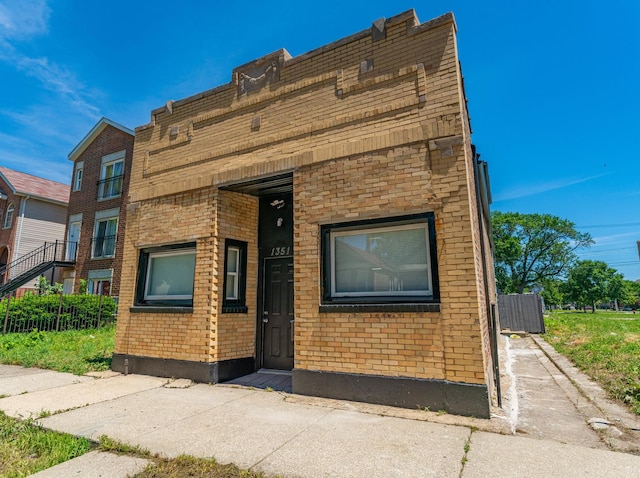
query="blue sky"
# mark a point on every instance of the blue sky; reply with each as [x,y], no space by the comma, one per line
[552,86]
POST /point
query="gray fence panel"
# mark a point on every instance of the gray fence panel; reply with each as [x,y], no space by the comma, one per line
[521,312]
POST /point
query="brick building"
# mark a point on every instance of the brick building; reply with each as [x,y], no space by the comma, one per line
[32,212]
[325,214]
[96,215]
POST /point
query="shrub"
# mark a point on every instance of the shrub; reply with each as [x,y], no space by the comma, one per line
[41,312]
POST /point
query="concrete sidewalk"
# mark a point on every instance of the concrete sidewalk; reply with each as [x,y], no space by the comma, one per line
[296,436]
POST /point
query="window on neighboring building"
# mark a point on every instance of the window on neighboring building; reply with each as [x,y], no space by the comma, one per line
[100,282]
[380,261]
[235,272]
[166,275]
[77,178]
[111,176]
[104,237]
[67,285]
[8,217]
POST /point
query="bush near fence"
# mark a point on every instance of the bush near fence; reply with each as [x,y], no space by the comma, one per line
[56,312]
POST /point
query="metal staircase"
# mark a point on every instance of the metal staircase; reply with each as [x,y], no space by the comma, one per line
[35,263]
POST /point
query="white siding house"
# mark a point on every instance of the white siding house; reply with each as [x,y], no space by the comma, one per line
[33,211]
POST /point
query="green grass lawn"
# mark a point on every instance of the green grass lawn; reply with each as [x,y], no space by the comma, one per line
[26,448]
[604,345]
[73,351]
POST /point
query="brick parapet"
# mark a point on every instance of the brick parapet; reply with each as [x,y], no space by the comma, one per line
[307,105]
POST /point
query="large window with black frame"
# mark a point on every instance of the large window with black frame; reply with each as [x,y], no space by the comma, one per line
[383,260]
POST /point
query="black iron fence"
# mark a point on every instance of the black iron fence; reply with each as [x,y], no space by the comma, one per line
[56,312]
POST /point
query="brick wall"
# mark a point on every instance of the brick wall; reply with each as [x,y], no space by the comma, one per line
[182,218]
[397,182]
[237,219]
[85,201]
[362,143]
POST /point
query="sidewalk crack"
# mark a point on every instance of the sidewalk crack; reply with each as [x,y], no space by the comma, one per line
[286,443]
[467,447]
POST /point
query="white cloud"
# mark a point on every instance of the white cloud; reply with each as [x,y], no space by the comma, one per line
[33,158]
[525,190]
[39,140]
[58,80]
[60,93]
[42,167]
[616,238]
[41,122]
[22,19]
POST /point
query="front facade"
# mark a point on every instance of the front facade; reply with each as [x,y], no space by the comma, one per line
[32,213]
[325,215]
[96,216]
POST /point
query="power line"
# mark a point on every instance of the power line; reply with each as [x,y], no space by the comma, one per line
[628,224]
[592,252]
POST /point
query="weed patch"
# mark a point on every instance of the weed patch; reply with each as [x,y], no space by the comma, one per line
[605,345]
[106,443]
[195,467]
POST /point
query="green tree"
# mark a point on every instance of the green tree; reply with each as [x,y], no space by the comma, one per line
[592,282]
[552,292]
[533,248]
[630,294]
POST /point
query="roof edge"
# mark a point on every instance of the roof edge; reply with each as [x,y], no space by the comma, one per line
[43,199]
[6,180]
[414,26]
[27,194]
[93,133]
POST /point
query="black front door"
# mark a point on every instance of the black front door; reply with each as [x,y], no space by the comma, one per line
[278,316]
[275,299]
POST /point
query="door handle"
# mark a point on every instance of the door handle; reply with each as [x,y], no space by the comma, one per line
[265,317]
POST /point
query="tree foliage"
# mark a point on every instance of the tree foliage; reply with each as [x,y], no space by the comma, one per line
[552,292]
[592,282]
[630,294]
[533,248]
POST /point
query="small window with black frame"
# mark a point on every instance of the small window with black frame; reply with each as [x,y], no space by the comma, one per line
[166,276]
[235,277]
[380,261]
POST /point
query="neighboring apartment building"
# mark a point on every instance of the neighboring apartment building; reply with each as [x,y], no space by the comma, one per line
[96,215]
[326,215]
[33,212]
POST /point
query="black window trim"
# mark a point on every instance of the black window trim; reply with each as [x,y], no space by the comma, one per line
[329,303]
[143,262]
[239,305]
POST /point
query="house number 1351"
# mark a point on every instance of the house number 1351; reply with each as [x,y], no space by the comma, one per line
[280,251]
